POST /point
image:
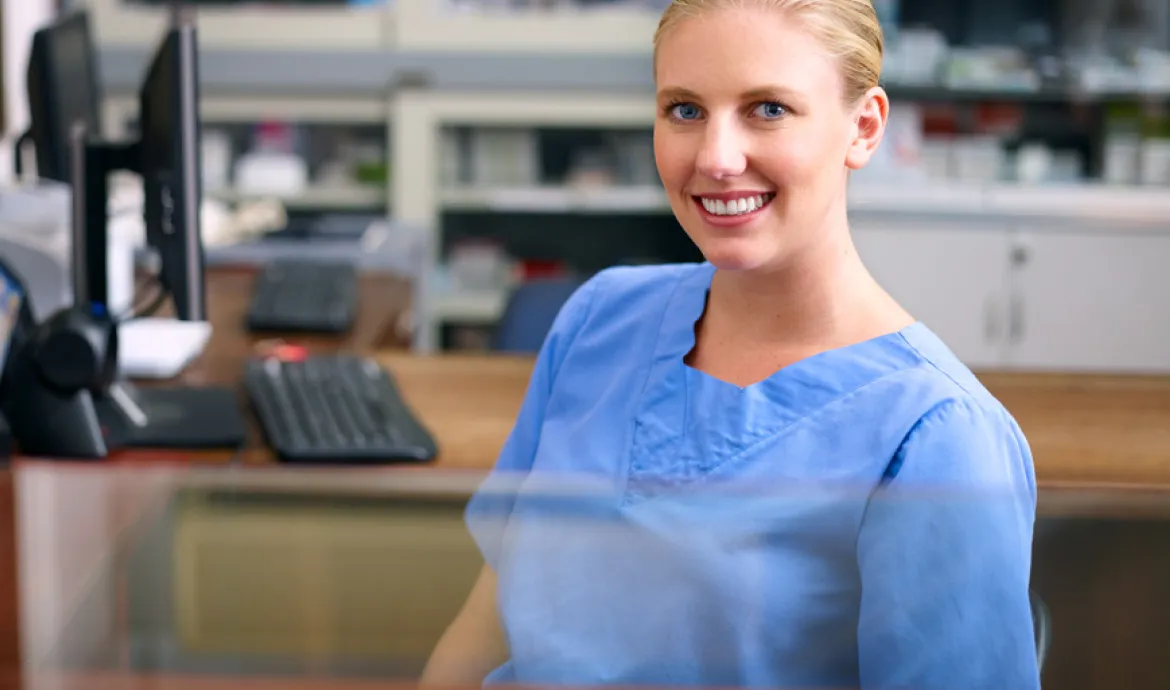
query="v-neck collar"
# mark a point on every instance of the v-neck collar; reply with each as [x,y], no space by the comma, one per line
[877,355]
[679,402]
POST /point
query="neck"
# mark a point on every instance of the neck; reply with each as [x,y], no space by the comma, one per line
[824,296]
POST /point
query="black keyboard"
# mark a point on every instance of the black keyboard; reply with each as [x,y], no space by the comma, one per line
[335,409]
[305,297]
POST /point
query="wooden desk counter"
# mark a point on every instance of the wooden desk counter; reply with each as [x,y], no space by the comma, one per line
[1085,431]
[469,402]
[1092,429]
[383,299]
[1104,579]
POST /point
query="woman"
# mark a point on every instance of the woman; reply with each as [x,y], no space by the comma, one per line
[778,476]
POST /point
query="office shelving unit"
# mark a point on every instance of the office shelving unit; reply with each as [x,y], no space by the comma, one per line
[227,110]
[435,25]
[421,68]
[264,26]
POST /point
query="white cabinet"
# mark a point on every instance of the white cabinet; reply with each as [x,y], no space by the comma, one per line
[1091,301]
[1080,300]
[953,279]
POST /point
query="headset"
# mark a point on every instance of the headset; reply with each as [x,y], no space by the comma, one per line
[52,375]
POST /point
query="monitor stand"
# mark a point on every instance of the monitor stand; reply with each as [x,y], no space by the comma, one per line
[63,398]
[52,424]
[171,417]
[89,414]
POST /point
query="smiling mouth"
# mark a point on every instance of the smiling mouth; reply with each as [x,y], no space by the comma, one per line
[735,207]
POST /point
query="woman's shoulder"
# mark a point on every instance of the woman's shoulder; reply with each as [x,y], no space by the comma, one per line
[948,379]
[620,284]
[621,304]
[625,296]
[960,429]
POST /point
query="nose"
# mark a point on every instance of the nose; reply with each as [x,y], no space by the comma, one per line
[722,152]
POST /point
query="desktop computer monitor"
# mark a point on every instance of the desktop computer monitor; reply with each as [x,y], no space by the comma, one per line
[63,104]
[170,162]
[63,89]
[62,409]
[94,410]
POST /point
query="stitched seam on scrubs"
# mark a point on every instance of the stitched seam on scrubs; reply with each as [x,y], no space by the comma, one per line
[771,438]
[683,277]
[801,419]
[636,495]
[898,459]
[633,426]
[631,430]
[1025,451]
[1017,433]
[935,366]
[586,311]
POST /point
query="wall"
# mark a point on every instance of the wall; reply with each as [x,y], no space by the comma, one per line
[21,19]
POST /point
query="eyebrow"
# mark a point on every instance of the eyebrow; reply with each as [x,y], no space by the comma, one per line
[676,92]
[771,92]
[768,92]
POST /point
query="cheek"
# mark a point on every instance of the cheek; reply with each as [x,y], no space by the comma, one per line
[795,158]
[784,161]
[673,156]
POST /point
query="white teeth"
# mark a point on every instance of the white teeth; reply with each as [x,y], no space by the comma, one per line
[736,207]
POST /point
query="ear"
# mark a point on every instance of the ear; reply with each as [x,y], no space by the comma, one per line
[870,116]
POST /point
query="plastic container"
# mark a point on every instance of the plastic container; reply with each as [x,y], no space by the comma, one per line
[36,242]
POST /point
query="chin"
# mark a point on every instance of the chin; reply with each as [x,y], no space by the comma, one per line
[737,254]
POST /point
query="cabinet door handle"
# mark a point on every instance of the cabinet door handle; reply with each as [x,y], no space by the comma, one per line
[1021,255]
[1016,319]
[991,319]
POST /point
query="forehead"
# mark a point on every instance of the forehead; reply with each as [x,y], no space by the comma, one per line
[734,50]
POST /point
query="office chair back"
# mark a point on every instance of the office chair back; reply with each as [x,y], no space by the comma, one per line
[1041,628]
[529,313]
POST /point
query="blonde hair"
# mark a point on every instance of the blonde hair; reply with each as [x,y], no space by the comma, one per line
[848,29]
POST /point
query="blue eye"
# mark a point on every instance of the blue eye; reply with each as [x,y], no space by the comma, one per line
[685,111]
[771,111]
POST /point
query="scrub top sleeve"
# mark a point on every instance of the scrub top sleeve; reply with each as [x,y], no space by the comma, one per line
[944,554]
[489,508]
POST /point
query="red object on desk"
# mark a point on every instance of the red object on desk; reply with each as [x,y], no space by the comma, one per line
[285,352]
[534,270]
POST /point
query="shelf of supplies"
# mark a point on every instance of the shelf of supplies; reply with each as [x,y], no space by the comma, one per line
[436,25]
[226,107]
[630,199]
[533,108]
[339,198]
[257,27]
[1003,93]
[1084,203]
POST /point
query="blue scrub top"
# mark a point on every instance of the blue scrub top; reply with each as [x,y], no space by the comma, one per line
[861,518]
